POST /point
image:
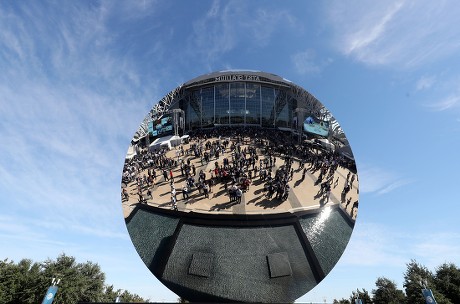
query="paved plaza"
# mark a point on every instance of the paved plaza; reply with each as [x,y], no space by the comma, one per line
[302,196]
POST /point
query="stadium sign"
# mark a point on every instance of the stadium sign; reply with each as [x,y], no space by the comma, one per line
[237,77]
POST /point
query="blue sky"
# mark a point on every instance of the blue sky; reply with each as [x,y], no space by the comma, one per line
[77,78]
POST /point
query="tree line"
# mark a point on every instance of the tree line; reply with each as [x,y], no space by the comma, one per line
[444,282]
[27,282]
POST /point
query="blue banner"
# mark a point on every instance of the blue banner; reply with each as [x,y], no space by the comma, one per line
[316,126]
[49,297]
[428,295]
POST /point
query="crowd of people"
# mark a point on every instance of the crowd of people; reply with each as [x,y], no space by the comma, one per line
[234,157]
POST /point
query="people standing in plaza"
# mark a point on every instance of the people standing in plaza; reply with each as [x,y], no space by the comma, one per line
[185,192]
[125,194]
[149,194]
[328,192]
[239,195]
[206,190]
[239,169]
[173,198]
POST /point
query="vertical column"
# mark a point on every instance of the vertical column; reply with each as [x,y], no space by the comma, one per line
[274,108]
[245,109]
[214,103]
[260,104]
[229,108]
[201,108]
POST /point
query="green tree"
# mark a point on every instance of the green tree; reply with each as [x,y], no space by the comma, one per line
[19,282]
[447,282]
[79,281]
[27,282]
[413,278]
[387,292]
[341,301]
[363,295]
[110,294]
[417,277]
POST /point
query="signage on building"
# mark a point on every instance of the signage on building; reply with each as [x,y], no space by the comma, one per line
[237,77]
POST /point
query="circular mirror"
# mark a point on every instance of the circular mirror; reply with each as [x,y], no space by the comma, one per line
[239,186]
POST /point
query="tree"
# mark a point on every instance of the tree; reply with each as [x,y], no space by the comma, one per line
[417,277]
[387,292]
[341,301]
[363,295]
[447,281]
[27,282]
[79,281]
[19,282]
[413,279]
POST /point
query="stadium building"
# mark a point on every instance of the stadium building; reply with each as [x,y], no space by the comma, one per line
[239,98]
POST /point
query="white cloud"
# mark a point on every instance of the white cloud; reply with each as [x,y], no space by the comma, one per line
[306,62]
[359,40]
[425,82]
[437,248]
[69,109]
[400,34]
[374,245]
[445,104]
[373,179]
[223,28]
[379,245]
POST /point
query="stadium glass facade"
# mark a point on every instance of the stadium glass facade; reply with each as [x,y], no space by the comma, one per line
[239,103]
[241,98]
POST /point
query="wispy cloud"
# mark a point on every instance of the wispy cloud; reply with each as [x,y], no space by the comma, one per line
[374,245]
[358,40]
[438,248]
[425,82]
[400,34]
[373,179]
[379,245]
[225,27]
[69,109]
[307,62]
[445,104]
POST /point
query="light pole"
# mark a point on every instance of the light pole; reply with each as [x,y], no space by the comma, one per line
[427,293]
[118,298]
[51,292]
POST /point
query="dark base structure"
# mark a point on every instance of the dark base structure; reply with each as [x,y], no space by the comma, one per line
[236,258]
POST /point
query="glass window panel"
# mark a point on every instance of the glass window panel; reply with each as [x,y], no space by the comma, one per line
[237,100]
[193,117]
[268,101]
[222,106]
[207,106]
[282,109]
[252,103]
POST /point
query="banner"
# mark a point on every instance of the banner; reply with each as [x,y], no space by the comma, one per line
[161,127]
[428,295]
[49,297]
[316,126]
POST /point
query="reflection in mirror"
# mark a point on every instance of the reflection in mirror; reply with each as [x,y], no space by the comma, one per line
[240,178]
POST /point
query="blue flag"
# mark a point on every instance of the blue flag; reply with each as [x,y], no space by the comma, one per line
[428,295]
[50,293]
